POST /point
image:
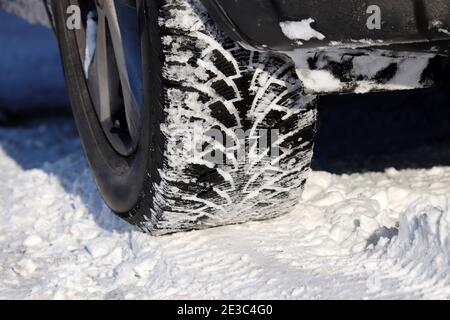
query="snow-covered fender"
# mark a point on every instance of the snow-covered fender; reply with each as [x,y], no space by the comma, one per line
[335,70]
[340,48]
[283,25]
[351,46]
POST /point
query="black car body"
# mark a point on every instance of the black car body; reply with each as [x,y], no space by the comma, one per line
[409,24]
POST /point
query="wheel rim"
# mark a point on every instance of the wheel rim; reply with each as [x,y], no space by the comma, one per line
[110,51]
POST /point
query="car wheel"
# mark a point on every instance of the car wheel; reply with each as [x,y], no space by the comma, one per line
[182,127]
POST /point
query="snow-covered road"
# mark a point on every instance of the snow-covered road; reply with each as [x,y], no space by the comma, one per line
[382,233]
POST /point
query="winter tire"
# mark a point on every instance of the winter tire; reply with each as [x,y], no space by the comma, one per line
[160,164]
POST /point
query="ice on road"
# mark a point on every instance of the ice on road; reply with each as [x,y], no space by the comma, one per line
[360,235]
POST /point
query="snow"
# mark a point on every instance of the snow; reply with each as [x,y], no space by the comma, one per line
[300,30]
[445,31]
[361,234]
[319,80]
[31,10]
[439,26]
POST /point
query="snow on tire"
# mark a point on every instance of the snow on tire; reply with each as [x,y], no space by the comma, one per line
[221,100]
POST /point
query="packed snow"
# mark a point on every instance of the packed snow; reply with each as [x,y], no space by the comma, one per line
[361,234]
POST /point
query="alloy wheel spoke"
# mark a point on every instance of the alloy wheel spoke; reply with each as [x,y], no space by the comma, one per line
[101,76]
[109,47]
[131,110]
